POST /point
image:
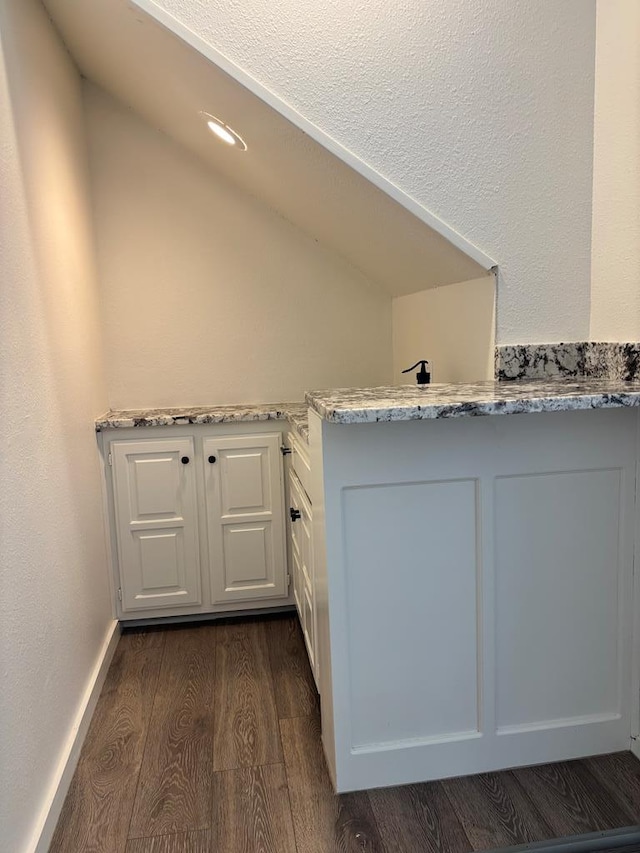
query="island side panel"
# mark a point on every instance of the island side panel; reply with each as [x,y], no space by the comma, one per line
[635,654]
[476,580]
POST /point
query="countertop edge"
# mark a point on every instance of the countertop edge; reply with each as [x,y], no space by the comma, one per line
[294,413]
[396,403]
[512,399]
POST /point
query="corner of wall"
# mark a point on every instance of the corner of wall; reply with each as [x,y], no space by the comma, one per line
[452,326]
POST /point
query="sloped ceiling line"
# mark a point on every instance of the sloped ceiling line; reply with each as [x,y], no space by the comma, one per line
[317,134]
[168,75]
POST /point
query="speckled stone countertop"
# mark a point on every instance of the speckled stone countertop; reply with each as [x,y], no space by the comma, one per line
[295,413]
[298,417]
[410,402]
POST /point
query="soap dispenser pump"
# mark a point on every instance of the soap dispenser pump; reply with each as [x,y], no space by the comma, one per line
[423,376]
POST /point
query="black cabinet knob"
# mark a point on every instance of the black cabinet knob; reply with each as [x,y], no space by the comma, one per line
[212,459]
[295,514]
[185,460]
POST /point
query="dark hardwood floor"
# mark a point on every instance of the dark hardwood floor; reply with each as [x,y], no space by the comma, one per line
[207,740]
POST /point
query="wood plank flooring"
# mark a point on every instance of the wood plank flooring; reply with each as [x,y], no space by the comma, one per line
[245,719]
[206,739]
[175,782]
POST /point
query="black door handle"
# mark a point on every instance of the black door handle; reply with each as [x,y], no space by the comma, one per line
[185,460]
[294,514]
[212,459]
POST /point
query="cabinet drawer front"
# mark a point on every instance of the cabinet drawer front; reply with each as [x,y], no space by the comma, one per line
[245,517]
[301,531]
[297,584]
[295,527]
[300,464]
[155,509]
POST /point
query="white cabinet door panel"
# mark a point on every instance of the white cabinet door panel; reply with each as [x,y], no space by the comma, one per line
[425,600]
[155,506]
[245,517]
[152,486]
[558,578]
[160,554]
[245,481]
[248,556]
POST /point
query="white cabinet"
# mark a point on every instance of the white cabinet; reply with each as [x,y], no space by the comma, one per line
[474,589]
[197,519]
[301,538]
[157,533]
[245,517]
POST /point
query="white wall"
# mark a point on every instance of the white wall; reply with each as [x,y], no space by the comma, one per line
[615,297]
[482,111]
[54,607]
[452,327]
[209,297]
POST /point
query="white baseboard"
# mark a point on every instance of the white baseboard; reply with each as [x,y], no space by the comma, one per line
[635,748]
[52,806]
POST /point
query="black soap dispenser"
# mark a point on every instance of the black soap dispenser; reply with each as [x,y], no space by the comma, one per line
[423,376]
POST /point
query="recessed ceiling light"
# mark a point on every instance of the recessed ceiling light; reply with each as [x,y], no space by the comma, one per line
[224,132]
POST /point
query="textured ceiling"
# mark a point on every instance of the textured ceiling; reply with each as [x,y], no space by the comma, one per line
[305,176]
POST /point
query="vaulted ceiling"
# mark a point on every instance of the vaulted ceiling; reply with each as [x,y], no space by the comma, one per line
[168,76]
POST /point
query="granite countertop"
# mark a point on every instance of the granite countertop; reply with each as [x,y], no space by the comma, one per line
[298,417]
[410,402]
[399,403]
[295,413]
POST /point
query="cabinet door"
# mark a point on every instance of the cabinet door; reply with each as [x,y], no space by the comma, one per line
[245,517]
[155,511]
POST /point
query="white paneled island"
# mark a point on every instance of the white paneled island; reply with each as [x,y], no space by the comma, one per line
[473,576]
